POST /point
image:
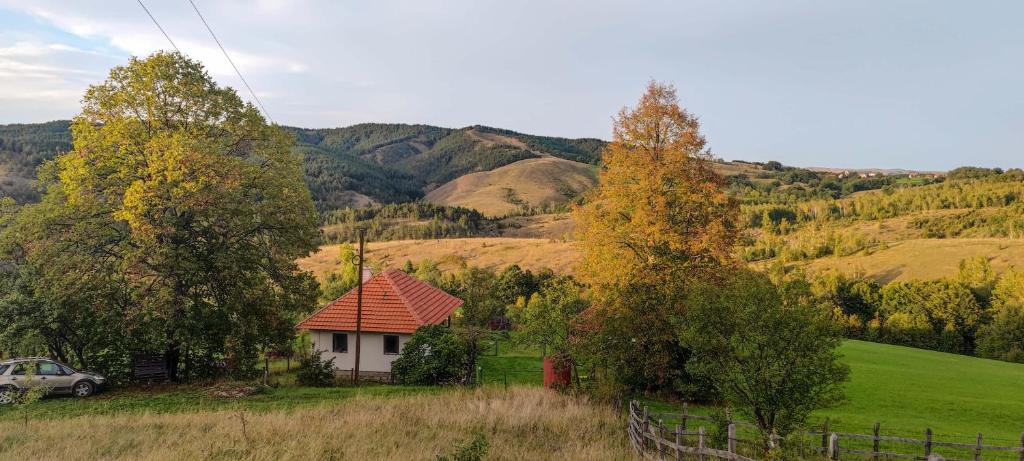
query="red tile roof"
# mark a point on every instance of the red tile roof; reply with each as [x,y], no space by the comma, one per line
[393,302]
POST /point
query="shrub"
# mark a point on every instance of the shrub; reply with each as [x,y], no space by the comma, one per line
[474,449]
[315,371]
[434,355]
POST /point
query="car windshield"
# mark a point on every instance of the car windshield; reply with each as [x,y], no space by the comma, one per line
[4,367]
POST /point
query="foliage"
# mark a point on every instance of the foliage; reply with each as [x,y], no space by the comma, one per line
[415,220]
[23,147]
[660,213]
[434,355]
[315,371]
[344,278]
[945,309]
[547,318]
[659,219]
[172,224]
[474,449]
[775,379]
[1003,338]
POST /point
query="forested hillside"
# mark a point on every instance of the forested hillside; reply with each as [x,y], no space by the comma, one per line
[359,165]
[23,147]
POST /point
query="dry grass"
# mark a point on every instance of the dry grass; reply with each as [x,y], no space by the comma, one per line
[493,252]
[924,259]
[559,226]
[523,423]
[536,181]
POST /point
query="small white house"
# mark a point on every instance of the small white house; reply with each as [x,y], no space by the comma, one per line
[395,304]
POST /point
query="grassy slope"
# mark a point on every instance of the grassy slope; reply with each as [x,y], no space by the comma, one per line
[926,258]
[536,181]
[496,252]
[910,390]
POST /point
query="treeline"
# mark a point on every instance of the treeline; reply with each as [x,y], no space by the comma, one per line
[779,184]
[23,147]
[585,150]
[404,221]
[975,313]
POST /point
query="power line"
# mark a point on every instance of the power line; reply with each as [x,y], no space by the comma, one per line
[168,37]
[253,93]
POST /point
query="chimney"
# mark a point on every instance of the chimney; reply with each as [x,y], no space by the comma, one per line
[367,274]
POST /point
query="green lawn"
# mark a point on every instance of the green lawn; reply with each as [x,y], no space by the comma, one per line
[909,390]
[512,365]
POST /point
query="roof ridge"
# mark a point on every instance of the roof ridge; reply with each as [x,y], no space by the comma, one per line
[408,305]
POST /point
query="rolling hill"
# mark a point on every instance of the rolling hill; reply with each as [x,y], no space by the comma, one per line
[532,183]
[357,165]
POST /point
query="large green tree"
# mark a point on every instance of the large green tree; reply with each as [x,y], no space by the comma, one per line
[179,200]
[767,350]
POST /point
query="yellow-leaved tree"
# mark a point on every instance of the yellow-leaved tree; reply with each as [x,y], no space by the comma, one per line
[659,220]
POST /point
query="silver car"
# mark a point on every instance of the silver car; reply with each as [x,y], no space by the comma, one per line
[18,375]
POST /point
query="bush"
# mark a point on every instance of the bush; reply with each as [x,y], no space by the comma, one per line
[315,371]
[434,355]
[474,449]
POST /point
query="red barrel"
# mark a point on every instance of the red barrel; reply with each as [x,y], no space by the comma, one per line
[557,372]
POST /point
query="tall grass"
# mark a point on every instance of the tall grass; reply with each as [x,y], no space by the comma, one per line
[522,423]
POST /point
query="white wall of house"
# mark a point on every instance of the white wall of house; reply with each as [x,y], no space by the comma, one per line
[372,356]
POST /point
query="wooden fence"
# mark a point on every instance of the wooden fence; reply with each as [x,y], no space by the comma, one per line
[649,436]
[651,439]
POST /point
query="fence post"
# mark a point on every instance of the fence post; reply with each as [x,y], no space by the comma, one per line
[732,438]
[686,414]
[977,449]
[679,442]
[875,442]
[646,427]
[824,436]
[657,442]
[700,443]
[927,442]
[833,447]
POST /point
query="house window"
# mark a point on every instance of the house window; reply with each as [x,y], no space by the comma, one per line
[391,344]
[340,341]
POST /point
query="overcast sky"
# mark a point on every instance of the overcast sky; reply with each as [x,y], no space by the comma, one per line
[914,84]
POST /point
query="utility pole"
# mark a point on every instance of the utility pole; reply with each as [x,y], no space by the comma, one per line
[359,303]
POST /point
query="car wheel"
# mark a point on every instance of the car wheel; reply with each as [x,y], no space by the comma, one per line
[6,396]
[82,389]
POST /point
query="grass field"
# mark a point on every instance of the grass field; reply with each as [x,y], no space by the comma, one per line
[925,259]
[521,423]
[496,252]
[906,390]
[909,390]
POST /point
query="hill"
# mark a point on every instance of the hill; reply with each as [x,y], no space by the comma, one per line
[357,165]
[539,183]
[23,147]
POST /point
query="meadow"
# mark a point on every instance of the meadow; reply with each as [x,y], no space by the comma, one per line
[909,390]
[520,423]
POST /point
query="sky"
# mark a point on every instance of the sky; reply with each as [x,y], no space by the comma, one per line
[927,85]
